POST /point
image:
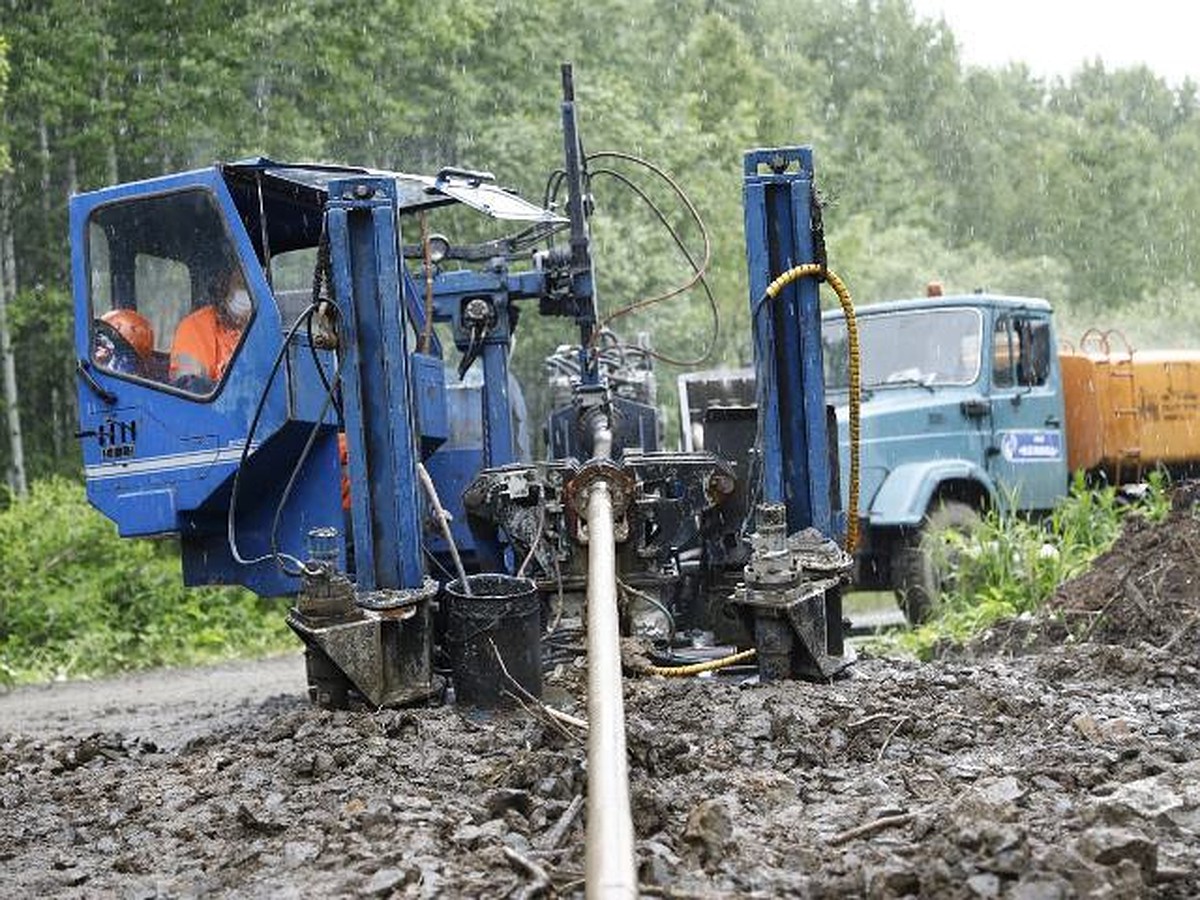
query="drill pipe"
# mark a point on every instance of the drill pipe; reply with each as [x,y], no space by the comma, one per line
[610,861]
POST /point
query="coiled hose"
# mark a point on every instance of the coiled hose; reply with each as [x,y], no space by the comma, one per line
[855,384]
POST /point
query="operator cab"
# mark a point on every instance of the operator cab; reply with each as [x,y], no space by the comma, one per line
[165,258]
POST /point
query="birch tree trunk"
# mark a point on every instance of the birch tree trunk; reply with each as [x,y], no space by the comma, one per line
[63,414]
[8,368]
[110,144]
[44,159]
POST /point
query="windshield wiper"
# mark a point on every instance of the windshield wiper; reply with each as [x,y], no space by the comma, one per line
[925,382]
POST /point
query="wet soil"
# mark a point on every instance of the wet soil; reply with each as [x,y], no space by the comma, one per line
[1057,757]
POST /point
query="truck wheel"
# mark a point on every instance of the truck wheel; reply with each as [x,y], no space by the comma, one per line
[922,569]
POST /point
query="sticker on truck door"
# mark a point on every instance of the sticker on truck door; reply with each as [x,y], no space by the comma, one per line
[1031,446]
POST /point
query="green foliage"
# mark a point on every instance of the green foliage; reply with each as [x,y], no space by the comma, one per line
[41,322]
[1167,316]
[877,263]
[1085,191]
[1010,565]
[79,601]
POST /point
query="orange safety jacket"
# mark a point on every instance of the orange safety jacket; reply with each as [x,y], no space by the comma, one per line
[203,345]
[344,459]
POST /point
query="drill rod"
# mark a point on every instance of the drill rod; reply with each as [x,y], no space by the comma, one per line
[610,861]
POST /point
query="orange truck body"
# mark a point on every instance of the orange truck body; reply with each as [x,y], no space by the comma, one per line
[1130,411]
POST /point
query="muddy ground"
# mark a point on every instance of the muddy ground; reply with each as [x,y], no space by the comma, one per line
[1055,758]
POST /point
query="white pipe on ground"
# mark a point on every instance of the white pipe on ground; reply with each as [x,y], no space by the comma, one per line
[610,868]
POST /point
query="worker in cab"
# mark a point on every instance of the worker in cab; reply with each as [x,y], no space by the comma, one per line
[124,342]
[206,339]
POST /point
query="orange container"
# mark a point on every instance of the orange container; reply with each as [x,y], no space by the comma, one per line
[1130,411]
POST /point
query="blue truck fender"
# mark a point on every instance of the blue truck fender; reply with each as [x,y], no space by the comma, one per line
[906,492]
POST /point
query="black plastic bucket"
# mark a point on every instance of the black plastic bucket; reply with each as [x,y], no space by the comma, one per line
[502,610]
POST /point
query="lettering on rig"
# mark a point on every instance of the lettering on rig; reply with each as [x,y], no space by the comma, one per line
[116,439]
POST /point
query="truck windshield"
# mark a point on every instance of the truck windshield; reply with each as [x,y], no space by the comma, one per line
[927,347]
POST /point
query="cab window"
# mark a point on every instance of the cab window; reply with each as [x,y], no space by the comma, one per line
[1021,352]
[169,301]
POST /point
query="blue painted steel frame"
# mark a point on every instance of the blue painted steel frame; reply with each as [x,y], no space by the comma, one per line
[454,468]
[500,288]
[787,336]
[364,237]
[498,440]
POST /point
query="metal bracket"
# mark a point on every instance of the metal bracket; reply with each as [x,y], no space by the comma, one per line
[380,648]
[788,582]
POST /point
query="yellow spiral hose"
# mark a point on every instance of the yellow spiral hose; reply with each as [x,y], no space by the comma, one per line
[843,294]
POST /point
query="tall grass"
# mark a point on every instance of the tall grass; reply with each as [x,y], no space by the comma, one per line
[1010,565]
[76,600]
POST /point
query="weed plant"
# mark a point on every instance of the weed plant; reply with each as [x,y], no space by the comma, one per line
[79,601]
[1010,565]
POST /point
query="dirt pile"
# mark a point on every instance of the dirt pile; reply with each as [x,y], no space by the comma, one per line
[1146,588]
[1135,611]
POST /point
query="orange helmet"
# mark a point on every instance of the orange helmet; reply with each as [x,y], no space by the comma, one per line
[132,326]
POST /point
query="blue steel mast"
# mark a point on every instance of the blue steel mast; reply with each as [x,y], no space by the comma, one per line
[778,187]
[364,237]
[582,286]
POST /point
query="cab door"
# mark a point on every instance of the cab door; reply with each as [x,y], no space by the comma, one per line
[1027,455]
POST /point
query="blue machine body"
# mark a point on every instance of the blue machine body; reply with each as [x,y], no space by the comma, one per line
[778,191]
[160,458]
[165,458]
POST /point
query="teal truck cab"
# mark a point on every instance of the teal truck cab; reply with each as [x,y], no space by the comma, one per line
[962,408]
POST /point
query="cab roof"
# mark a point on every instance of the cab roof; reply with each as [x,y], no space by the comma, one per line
[993,301]
[293,194]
